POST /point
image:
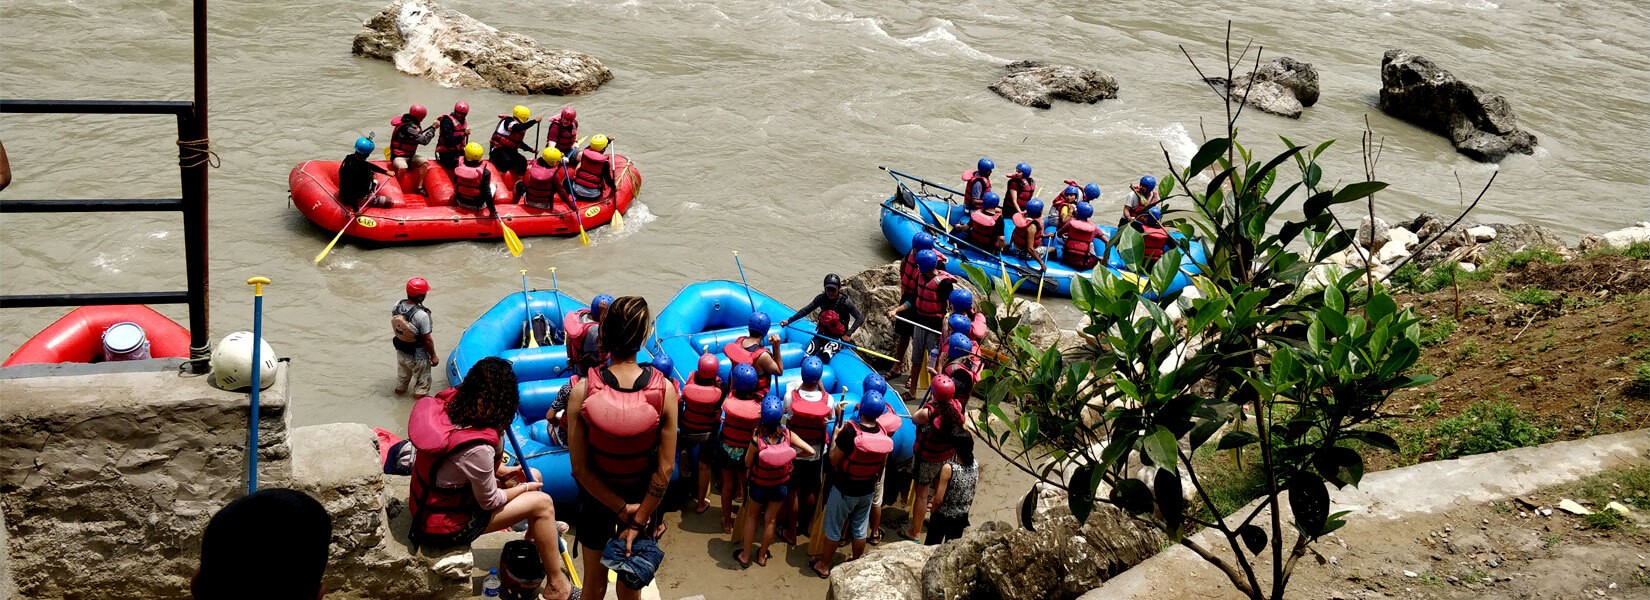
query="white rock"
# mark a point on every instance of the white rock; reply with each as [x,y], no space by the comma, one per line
[1619,508]
[1570,506]
[1411,574]
[1398,236]
[1467,267]
[456,566]
[1481,233]
[1391,253]
[1373,237]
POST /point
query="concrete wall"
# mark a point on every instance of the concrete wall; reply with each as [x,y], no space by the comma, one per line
[108,478]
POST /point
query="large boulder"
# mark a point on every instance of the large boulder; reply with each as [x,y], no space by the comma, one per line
[446,46]
[1044,332]
[1481,125]
[953,569]
[1038,84]
[1516,237]
[875,291]
[1639,233]
[1061,560]
[1283,86]
[889,572]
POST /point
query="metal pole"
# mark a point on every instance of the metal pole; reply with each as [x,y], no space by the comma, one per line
[193,129]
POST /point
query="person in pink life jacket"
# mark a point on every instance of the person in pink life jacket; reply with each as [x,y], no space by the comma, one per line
[769,460]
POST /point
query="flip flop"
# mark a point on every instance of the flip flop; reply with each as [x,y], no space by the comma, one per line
[907,535]
[762,561]
[738,557]
[875,539]
[703,506]
[813,565]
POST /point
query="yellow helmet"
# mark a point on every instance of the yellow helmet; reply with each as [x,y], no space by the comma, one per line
[521,113]
[551,155]
[472,151]
[598,143]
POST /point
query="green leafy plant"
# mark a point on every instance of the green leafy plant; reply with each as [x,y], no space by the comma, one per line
[1437,331]
[1533,296]
[1605,520]
[1517,260]
[1485,427]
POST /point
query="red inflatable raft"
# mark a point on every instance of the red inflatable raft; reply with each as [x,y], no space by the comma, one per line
[78,336]
[313,188]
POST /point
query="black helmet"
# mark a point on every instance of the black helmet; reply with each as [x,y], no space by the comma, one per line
[832,280]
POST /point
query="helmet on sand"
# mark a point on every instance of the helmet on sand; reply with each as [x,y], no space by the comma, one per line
[1148,182]
[599,302]
[363,146]
[871,405]
[943,387]
[985,165]
[1024,169]
[417,287]
[927,260]
[472,151]
[812,369]
[417,111]
[875,382]
[773,410]
[744,378]
[1085,210]
[991,200]
[961,300]
[1091,191]
[569,113]
[708,365]
[521,113]
[551,155]
[1034,208]
[960,345]
[759,324]
[959,323]
[598,142]
[922,241]
[461,108]
[232,362]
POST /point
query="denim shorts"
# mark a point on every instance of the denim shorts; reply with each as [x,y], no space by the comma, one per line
[763,494]
[855,511]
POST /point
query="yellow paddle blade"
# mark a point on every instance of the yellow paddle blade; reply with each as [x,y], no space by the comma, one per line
[511,241]
[584,238]
[334,242]
[618,221]
[387,153]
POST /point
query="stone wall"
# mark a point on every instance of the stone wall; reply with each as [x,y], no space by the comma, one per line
[107,479]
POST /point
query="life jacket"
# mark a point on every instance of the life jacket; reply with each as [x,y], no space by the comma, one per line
[401,328]
[1145,204]
[506,136]
[739,420]
[1079,244]
[461,134]
[833,322]
[929,302]
[1156,238]
[563,135]
[933,446]
[773,461]
[909,273]
[870,454]
[741,355]
[808,417]
[984,228]
[467,183]
[592,169]
[404,142]
[969,199]
[703,406]
[544,182]
[972,366]
[581,345]
[623,427]
[439,510]
[1020,189]
[1028,233]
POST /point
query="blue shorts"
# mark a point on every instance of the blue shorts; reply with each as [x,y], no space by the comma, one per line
[764,494]
[855,511]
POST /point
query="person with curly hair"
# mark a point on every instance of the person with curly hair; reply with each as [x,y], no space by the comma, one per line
[460,486]
[622,422]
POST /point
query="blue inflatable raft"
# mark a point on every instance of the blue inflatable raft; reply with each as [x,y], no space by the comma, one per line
[909,212]
[540,374]
[713,313]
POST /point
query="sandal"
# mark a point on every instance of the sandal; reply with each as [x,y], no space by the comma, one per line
[739,557]
[814,566]
[703,506]
[876,538]
[907,535]
[762,561]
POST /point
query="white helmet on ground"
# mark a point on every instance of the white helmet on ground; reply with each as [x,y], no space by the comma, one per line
[232,362]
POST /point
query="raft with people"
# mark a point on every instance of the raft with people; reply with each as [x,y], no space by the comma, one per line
[92,334]
[934,209]
[705,317]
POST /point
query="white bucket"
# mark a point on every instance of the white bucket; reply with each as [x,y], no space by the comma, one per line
[125,341]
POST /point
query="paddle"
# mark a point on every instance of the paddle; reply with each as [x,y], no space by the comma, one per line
[617,222]
[257,284]
[748,294]
[527,310]
[555,294]
[578,217]
[511,241]
[845,344]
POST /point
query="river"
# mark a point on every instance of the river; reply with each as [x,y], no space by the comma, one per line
[758,125]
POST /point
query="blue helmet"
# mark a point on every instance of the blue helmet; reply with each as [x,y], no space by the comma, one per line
[1091,191]
[960,345]
[600,302]
[812,369]
[985,165]
[871,405]
[663,364]
[744,378]
[991,200]
[1034,208]
[875,382]
[1071,190]
[927,260]
[363,146]
[773,410]
[1148,182]
[759,323]
[1024,169]
[1085,210]
[959,323]
[922,241]
[961,300]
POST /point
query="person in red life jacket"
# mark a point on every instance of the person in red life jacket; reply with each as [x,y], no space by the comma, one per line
[546,181]
[1065,203]
[962,303]
[454,135]
[808,411]
[410,329]
[357,178]
[909,273]
[1077,249]
[1021,189]
[937,420]
[769,460]
[701,412]
[838,319]
[593,171]
[859,455]
[925,308]
[964,365]
[1027,240]
[976,183]
[564,129]
[622,423]
[473,183]
[582,327]
[460,487]
[409,134]
[985,224]
[740,413]
[1142,205]
[748,350]
[510,138]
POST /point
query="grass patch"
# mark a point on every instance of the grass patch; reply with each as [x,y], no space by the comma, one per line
[1436,331]
[1633,338]
[1639,250]
[1482,427]
[1533,296]
[1412,278]
[1604,520]
[1476,310]
[1517,260]
[1549,540]
[1641,378]
[1627,486]
[1468,351]
[1231,484]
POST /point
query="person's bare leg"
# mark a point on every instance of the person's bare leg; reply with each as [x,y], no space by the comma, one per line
[540,513]
[875,529]
[729,490]
[748,533]
[919,509]
[859,549]
[595,574]
[792,514]
[822,566]
[900,345]
[702,499]
[769,518]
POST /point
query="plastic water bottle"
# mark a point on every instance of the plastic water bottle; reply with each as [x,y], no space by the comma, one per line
[490,587]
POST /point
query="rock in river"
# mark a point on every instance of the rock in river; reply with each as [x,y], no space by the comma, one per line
[1038,84]
[1281,87]
[1480,124]
[446,46]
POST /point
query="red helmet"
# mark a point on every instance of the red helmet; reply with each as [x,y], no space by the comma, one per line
[708,365]
[417,287]
[943,387]
[417,111]
[569,113]
[461,108]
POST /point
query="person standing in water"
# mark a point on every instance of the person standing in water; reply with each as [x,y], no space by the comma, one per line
[410,327]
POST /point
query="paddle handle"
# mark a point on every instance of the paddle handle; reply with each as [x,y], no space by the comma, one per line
[257,284]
